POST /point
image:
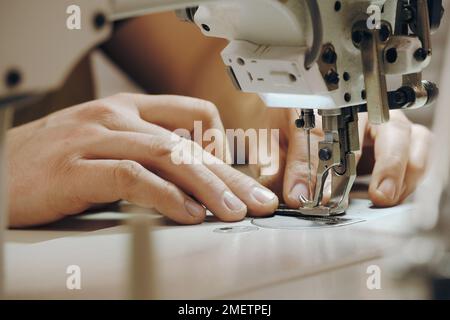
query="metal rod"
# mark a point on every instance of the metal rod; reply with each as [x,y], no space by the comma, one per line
[122,9]
[142,264]
[5,122]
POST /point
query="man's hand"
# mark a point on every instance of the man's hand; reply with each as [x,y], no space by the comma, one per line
[400,150]
[120,148]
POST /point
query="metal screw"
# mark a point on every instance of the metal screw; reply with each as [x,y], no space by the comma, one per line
[300,123]
[13,78]
[346,76]
[99,21]
[400,97]
[347,97]
[363,94]
[337,6]
[421,54]
[332,77]
[391,55]
[407,14]
[325,154]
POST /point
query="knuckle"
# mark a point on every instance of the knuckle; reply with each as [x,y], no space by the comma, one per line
[100,111]
[161,148]
[401,123]
[208,109]
[165,192]
[416,169]
[105,110]
[126,175]
[423,132]
[297,168]
[122,96]
[236,178]
[76,133]
[395,163]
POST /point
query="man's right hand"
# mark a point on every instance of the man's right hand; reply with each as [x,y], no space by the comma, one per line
[120,148]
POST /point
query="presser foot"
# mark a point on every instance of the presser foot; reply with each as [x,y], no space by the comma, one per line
[320,211]
[337,163]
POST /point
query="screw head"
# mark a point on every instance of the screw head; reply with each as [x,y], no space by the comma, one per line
[363,94]
[391,55]
[347,97]
[337,6]
[346,76]
[420,54]
[407,14]
[300,123]
[13,78]
[332,77]
[400,97]
[99,20]
[325,154]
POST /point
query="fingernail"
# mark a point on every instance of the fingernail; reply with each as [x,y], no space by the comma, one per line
[298,190]
[193,208]
[388,188]
[262,195]
[232,202]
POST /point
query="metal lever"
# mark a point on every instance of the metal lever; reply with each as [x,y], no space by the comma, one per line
[371,44]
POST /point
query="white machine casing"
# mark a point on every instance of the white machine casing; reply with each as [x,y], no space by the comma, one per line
[271,63]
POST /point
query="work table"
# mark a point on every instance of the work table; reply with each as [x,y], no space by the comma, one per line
[212,260]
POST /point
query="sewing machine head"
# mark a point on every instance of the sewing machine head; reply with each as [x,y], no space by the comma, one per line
[333,56]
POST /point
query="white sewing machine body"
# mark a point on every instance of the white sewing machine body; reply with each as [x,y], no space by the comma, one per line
[268,44]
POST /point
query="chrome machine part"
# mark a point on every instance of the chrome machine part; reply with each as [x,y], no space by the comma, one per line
[5,121]
[371,42]
[336,160]
[307,122]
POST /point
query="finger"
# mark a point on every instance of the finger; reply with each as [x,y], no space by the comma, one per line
[148,113]
[362,129]
[163,156]
[259,200]
[392,148]
[103,181]
[179,112]
[273,181]
[118,113]
[297,170]
[419,150]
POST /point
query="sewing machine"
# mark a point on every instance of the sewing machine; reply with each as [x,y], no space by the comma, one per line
[332,56]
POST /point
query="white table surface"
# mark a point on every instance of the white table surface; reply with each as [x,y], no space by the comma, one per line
[196,262]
